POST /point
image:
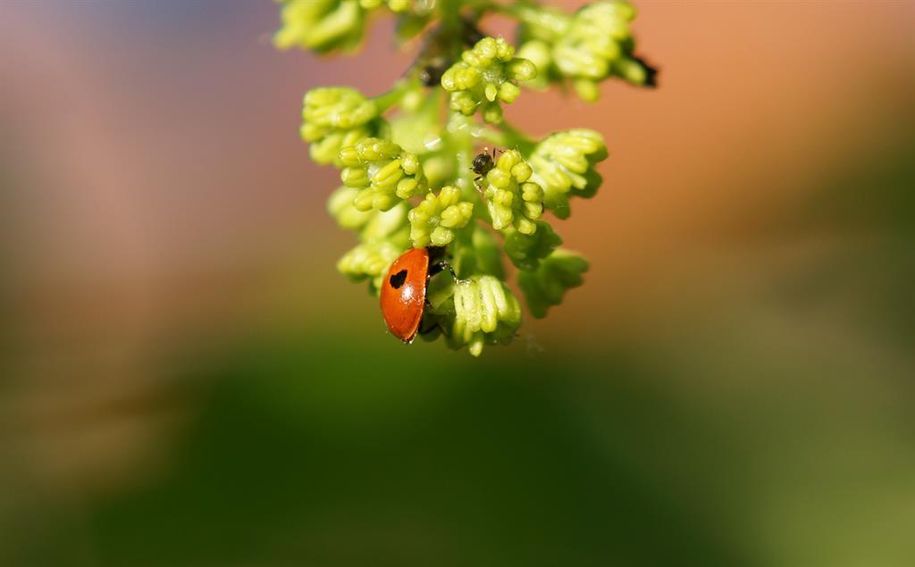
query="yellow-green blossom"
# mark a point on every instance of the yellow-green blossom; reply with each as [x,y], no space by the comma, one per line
[383,172]
[564,165]
[435,220]
[513,201]
[340,206]
[369,261]
[334,118]
[585,47]
[540,54]
[486,75]
[421,7]
[545,286]
[320,25]
[384,236]
[526,250]
[371,224]
[485,312]
[592,44]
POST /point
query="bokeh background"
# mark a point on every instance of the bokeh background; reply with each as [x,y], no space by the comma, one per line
[186,380]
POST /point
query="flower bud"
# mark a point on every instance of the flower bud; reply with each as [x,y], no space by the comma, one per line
[486,75]
[584,48]
[334,118]
[340,206]
[526,250]
[435,220]
[484,312]
[383,172]
[546,286]
[564,165]
[418,7]
[320,25]
[513,201]
[369,261]
[384,236]
[540,54]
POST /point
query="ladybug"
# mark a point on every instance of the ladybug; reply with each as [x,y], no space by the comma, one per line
[403,291]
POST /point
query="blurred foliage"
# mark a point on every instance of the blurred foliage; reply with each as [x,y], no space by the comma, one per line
[334,455]
[870,206]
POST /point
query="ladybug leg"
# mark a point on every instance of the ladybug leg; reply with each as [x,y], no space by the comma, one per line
[438,262]
[439,266]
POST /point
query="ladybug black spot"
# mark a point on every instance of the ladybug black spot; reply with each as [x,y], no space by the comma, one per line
[398,279]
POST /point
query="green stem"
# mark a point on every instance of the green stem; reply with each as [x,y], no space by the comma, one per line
[522,11]
[494,137]
[451,14]
[513,138]
[393,97]
[461,136]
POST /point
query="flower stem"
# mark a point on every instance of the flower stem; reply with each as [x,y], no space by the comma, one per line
[515,139]
[393,97]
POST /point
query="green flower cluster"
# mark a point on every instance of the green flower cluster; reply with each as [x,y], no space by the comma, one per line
[336,118]
[485,76]
[585,48]
[435,220]
[399,6]
[513,201]
[526,250]
[485,312]
[564,165]
[412,162]
[383,236]
[320,25]
[545,286]
[383,173]
[325,26]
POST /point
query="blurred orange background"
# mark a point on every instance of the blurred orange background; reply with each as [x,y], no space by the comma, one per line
[751,248]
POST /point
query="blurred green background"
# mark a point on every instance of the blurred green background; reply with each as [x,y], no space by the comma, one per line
[186,380]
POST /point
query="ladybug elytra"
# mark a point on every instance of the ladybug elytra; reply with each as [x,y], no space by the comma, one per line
[403,291]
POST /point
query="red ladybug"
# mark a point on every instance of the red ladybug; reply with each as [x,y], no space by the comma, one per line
[403,291]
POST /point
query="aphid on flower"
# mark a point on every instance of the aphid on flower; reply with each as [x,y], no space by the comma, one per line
[483,163]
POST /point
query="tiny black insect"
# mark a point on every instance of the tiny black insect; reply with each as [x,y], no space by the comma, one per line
[483,164]
[430,75]
[470,33]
